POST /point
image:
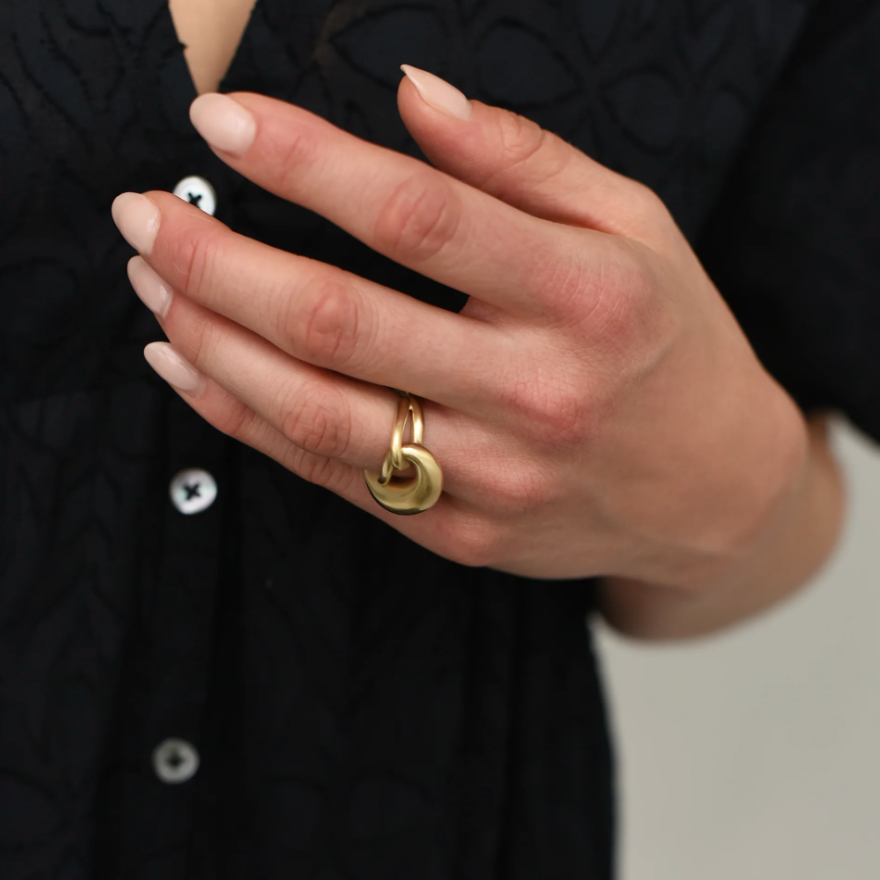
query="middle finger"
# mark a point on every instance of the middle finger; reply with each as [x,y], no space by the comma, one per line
[318,313]
[325,414]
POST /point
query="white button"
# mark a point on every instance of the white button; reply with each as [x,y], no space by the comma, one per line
[175,761]
[197,191]
[192,490]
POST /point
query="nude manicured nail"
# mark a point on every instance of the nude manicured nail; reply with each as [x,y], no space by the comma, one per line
[137,218]
[223,123]
[174,369]
[148,285]
[438,93]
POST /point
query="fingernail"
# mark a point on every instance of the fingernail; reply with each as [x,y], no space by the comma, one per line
[149,286]
[438,93]
[137,218]
[174,369]
[223,123]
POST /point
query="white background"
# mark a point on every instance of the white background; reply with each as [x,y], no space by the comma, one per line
[754,754]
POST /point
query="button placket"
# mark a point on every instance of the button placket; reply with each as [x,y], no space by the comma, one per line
[179,615]
[172,671]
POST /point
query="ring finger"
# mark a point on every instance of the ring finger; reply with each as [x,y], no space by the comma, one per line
[326,414]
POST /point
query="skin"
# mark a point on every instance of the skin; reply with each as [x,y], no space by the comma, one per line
[595,406]
[211,31]
[792,548]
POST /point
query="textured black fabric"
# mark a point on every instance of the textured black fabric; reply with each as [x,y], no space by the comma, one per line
[794,243]
[362,708]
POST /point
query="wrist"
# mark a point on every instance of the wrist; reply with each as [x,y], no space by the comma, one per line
[795,543]
[786,479]
[757,468]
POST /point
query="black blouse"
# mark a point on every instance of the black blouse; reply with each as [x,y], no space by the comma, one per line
[268,682]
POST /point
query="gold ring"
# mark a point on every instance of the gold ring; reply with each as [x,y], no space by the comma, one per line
[407,495]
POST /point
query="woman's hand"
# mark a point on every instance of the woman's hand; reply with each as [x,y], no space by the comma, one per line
[595,407]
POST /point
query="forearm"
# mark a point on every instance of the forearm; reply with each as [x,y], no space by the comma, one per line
[794,547]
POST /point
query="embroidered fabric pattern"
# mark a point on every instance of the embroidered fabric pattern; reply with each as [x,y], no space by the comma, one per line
[335,723]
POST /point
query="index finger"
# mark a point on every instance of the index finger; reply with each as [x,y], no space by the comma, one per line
[401,207]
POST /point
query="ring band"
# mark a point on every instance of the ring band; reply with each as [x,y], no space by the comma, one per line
[411,494]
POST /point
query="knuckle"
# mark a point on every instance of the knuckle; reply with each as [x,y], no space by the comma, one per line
[613,320]
[647,209]
[198,254]
[238,422]
[607,301]
[522,140]
[203,339]
[646,199]
[324,322]
[315,468]
[549,411]
[419,219]
[290,155]
[621,305]
[317,420]
[567,283]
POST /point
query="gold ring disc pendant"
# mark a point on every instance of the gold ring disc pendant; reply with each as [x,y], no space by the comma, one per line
[412,494]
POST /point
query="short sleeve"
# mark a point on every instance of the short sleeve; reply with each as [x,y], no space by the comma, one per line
[793,242]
